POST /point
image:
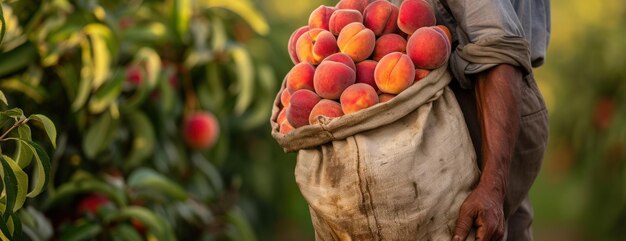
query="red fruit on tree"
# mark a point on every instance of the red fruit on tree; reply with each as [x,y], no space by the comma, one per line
[201,130]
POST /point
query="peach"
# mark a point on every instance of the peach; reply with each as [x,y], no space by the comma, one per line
[343,17]
[382,98]
[341,58]
[388,43]
[332,78]
[320,17]
[365,73]
[328,108]
[428,48]
[285,127]
[285,96]
[302,102]
[445,31]
[357,97]
[421,73]
[282,116]
[134,75]
[201,130]
[381,17]
[414,14]
[315,45]
[394,73]
[358,5]
[356,41]
[300,77]
[291,47]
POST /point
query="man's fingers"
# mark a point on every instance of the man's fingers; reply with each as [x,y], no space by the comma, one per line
[463,226]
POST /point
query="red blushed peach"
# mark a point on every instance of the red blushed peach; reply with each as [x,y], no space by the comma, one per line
[315,45]
[300,77]
[285,127]
[282,116]
[428,48]
[343,17]
[201,130]
[320,17]
[382,98]
[358,5]
[365,73]
[381,17]
[357,97]
[388,43]
[302,102]
[285,97]
[394,73]
[331,78]
[341,58]
[420,74]
[328,108]
[415,14]
[356,41]
[291,47]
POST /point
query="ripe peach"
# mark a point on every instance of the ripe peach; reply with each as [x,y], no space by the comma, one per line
[320,17]
[201,130]
[358,5]
[328,108]
[341,58]
[331,78]
[134,75]
[428,48]
[285,97]
[356,41]
[415,14]
[92,203]
[300,77]
[357,97]
[394,73]
[292,43]
[388,43]
[315,45]
[421,73]
[302,102]
[365,73]
[285,127]
[381,17]
[343,17]
[282,116]
[382,98]
[445,31]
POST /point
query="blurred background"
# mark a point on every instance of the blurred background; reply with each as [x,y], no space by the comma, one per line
[121,78]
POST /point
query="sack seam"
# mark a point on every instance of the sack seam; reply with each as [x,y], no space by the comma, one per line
[363,183]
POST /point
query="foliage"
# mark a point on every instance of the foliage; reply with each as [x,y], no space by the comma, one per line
[118,79]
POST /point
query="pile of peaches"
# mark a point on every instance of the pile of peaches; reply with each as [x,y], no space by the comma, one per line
[356,55]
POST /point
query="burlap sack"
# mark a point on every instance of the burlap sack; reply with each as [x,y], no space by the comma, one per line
[396,171]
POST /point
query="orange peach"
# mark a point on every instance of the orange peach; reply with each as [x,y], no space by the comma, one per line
[445,31]
[291,47]
[365,73]
[282,116]
[300,77]
[357,97]
[285,96]
[420,74]
[358,5]
[382,98]
[302,102]
[428,48]
[388,43]
[320,17]
[356,41]
[315,45]
[415,14]
[341,58]
[331,78]
[343,17]
[394,73]
[328,108]
[285,127]
[381,17]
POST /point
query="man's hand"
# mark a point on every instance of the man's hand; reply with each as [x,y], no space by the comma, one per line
[498,92]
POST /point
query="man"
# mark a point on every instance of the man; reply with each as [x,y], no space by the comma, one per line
[496,44]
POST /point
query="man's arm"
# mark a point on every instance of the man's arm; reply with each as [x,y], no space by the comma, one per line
[498,101]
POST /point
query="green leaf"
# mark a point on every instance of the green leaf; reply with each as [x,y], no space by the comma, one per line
[237,219]
[155,224]
[5,233]
[181,14]
[3,28]
[2,97]
[98,35]
[41,171]
[98,135]
[10,188]
[107,95]
[85,82]
[17,227]
[21,181]
[263,101]
[23,154]
[17,58]
[245,76]
[125,232]
[48,126]
[246,10]
[146,179]
[35,225]
[15,113]
[143,140]
[84,231]
[86,185]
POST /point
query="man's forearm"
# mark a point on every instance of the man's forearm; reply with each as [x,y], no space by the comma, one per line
[498,93]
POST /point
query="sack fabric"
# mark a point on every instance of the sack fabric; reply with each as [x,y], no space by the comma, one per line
[399,170]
